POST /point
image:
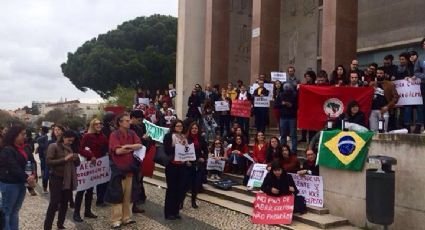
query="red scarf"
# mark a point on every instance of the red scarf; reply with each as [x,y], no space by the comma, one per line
[21,150]
[195,140]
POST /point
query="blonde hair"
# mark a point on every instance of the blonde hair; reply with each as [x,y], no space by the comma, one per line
[91,128]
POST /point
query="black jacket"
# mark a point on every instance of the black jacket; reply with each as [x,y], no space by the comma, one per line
[114,192]
[202,150]
[264,93]
[12,166]
[287,112]
[282,184]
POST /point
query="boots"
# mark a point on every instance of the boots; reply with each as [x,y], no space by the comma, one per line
[194,205]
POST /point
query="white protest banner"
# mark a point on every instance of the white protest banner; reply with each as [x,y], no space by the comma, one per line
[262,102]
[157,133]
[311,188]
[185,152]
[144,101]
[90,175]
[409,92]
[278,76]
[172,93]
[47,124]
[258,173]
[222,106]
[213,164]
[268,86]
[140,153]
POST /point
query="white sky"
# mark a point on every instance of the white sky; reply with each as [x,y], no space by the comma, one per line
[35,37]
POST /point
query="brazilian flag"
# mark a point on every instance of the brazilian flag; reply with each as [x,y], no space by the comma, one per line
[343,149]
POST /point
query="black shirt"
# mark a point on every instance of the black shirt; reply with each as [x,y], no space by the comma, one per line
[379,99]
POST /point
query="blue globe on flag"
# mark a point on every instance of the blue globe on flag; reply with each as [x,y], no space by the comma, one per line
[346,145]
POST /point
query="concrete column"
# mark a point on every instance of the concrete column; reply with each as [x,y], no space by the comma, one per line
[190,51]
[339,33]
[265,37]
[217,41]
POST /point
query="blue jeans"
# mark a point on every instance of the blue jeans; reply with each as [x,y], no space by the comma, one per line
[408,112]
[289,124]
[12,198]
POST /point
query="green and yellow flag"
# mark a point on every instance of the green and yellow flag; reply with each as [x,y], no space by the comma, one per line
[343,149]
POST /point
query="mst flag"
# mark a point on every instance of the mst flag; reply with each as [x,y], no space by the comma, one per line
[343,150]
[315,103]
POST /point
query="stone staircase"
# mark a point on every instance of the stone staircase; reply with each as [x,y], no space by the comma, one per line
[241,200]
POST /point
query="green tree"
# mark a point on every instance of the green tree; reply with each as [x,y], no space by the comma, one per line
[122,96]
[7,120]
[139,53]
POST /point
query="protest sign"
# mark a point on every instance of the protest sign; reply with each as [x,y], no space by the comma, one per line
[241,108]
[222,106]
[213,164]
[140,154]
[311,188]
[258,173]
[185,152]
[272,210]
[91,174]
[278,76]
[172,93]
[261,102]
[157,133]
[268,86]
[409,92]
[47,124]
[144,101]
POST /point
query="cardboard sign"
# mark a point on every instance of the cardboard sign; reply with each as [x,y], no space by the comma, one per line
[221,106]
[261,102]
[258,173]
[268,86]
[311,188]
[409,92]
[278,76]
[172,93]
[213,164]
[90,175]
[241,108]
[157,133]
[144,101]
[272,210]
[185,152]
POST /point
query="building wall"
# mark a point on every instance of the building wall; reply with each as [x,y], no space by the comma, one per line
[345,191]
[240,41]
[299,35]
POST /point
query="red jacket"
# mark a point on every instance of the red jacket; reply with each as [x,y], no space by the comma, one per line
[93,145]
[291,165]
[259,155]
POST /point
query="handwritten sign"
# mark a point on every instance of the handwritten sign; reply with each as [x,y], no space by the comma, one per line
[311,188]
[157,133]
[172,93]
[272,210]
[278,76]
[90,175]
[261,102]
[213,164]
[222,106]
[241,108]
[185,152]
[144,101]
[409,92]
[258,173]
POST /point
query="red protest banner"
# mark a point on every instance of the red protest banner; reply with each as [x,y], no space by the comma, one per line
[272,210]
[241,108]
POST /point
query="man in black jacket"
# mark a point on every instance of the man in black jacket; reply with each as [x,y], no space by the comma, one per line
[287,100]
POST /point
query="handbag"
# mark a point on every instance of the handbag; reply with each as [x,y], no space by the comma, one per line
[161,157]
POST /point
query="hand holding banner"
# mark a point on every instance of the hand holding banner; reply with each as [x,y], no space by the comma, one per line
[241,108]
[258,173]
[278,76]
[261,102]
[90,175]
[409,92]
[213,164]
[272,210]
[185,152]
[157,133]
[221,106]
[311,188]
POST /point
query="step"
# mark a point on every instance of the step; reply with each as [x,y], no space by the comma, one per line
[321,220]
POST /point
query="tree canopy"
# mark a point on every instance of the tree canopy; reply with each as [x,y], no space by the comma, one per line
[139,53]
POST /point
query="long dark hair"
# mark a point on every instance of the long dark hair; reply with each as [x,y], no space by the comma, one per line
[173,125]
[189,129]
[11,134]
[270,151]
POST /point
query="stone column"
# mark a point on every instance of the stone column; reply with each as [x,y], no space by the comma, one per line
[190,51]
[339,33]
[265,37]
[217,42]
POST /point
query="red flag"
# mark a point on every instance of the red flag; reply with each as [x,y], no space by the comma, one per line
[315,103]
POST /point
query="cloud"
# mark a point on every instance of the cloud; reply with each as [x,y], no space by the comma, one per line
[35,37]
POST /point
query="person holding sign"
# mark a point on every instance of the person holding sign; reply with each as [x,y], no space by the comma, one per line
[217,153]
[224,116]
[244,95]
[63,177]
[93,145]
[124,170]
[261,113]
[174,171]
[309,167]
[196,169]
[279,183]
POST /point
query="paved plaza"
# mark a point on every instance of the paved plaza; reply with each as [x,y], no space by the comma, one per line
[207,216]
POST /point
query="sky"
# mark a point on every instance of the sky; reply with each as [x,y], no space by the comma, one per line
[35,37]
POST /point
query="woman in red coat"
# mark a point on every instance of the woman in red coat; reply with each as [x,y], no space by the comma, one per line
[290,161]
[260,149]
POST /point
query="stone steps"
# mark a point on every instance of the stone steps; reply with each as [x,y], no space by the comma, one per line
[240,198]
